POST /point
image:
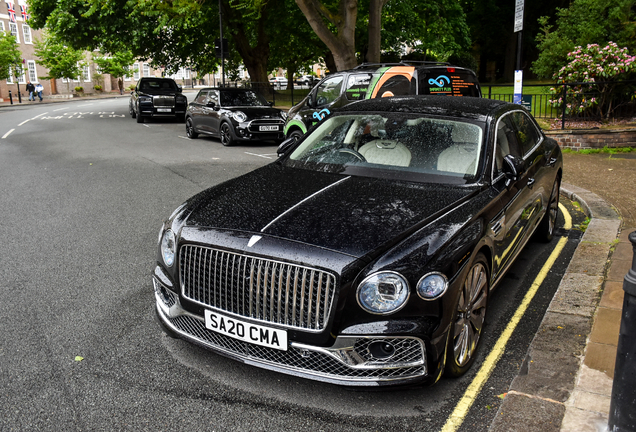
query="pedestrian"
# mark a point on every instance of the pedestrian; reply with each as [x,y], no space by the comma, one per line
[39,89]
[31,89]
[120,84]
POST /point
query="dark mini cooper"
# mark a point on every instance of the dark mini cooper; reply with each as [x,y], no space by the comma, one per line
[233,115]
[365,255]
[157,97]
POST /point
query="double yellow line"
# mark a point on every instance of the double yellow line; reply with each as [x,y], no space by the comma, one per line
[463,406]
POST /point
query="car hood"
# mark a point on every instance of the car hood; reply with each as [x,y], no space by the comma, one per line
[257,112]
[347,214]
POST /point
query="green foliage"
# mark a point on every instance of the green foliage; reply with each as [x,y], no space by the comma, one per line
[10,56]
[79,89]
[61,60]
[583,23]
[117,64]
[594,64]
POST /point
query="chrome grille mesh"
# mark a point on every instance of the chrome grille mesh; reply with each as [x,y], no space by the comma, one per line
[315,364]
[270,291]
[163,101]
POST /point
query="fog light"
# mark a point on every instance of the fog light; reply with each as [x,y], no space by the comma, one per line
[381,350]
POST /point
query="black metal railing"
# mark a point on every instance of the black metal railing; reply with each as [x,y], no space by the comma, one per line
[615,102]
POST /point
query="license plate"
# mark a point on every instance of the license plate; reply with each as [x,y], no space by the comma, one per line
[247,332]
[164,109]
[268,128]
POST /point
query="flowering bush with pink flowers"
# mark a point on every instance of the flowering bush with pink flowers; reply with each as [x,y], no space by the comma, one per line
[602,68]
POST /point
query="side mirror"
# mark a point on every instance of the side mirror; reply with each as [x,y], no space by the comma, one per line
[210,104]
[310,100]
[285,146]
[512,167]
[270,103]
[179,88]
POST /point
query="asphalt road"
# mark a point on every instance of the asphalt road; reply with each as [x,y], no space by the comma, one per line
[84,191]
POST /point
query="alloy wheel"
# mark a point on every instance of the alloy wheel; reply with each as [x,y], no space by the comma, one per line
[471,314]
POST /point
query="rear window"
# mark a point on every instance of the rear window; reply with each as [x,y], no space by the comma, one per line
[449,82]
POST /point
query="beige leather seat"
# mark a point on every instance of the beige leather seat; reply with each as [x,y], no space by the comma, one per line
[461,157]
[386,152]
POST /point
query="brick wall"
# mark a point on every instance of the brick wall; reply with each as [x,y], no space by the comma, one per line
[594,139]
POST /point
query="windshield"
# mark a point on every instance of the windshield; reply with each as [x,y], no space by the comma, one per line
[378,144]
[158,84]
[242,98]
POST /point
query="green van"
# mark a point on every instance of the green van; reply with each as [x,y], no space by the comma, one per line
[369,81]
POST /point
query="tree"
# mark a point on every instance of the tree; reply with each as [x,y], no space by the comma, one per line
[10,56]
[61,60]
[116,65]
[584,22]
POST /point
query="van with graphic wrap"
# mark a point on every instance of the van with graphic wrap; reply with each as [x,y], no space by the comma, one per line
[369,81]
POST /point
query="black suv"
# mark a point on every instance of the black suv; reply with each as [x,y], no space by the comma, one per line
[371,80]
[157,97]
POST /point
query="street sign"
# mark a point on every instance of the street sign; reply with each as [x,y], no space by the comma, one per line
[518,15]
[518,89]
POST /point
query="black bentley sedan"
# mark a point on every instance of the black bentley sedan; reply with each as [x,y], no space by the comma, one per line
[234,114]
[365,255]
[157,97]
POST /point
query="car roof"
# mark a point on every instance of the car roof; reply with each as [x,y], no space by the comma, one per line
[471,107]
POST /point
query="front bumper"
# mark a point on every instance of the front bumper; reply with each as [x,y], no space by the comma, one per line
[347,362]
[250,131]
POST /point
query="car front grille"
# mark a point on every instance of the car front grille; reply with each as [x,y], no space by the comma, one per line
[163,101]
[309,362]
[255,125]
[289,295]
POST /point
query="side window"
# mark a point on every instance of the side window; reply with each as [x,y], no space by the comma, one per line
[506,143]
[214,97]
[358,86]
[328,91]
[201,97]
[527,133]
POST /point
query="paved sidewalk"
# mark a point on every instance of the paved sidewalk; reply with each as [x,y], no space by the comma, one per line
[565,383]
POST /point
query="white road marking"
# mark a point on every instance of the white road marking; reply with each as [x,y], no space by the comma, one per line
[254,154]
[60,109]
[184,137]
[7,134]
[39,115]
[24,122]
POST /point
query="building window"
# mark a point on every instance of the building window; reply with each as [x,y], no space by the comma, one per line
[21,76]
[146,70]
[13,29]
[136,73]
[10,78]
[1,26]
[26,32]
[33,76]
[86,73]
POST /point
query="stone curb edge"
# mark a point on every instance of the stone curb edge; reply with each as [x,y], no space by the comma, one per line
[538,396]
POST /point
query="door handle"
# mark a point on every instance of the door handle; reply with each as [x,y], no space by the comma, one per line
[531,182]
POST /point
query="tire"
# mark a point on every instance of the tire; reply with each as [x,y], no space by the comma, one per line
[469,318]
[545,230]
[296,134]
[190,131]
[140,119]
[226,135]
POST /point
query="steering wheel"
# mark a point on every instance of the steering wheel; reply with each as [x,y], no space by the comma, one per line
[353,153]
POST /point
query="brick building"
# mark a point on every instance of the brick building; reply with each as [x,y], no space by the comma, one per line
[14,20]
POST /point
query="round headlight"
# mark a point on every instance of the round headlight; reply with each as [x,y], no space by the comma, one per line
[168,247]
[383,293]
[239,116]
[283,115]
[432,286]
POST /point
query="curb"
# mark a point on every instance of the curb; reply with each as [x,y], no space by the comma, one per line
[538,397]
